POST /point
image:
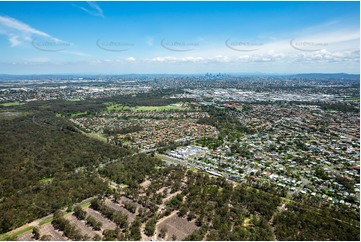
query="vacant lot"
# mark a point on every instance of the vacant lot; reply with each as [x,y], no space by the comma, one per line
[180,227]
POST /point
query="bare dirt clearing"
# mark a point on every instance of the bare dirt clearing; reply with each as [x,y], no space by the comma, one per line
[55,235]
[180,227]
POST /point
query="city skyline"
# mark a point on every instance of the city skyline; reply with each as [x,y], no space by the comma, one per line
[179,37]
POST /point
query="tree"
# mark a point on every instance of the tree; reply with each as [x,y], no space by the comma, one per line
[57,214]
[135,230]
[109,235]
[120,219]
[94,223]
[163,232]
[199,221]
[36,233]
[131,207]
[79,213]
[190,216]
[45,237]
[69,208]
[97,237]
[150,227]
[158,199]
[141,211]
[183,210]
[46,151]
[95,203]
[116,197]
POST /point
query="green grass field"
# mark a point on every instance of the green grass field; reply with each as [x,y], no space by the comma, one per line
[96,136]
[74,115]
[10,104]
[47,179]
[160,108]
[352,99]
[112,107]
[84,205]
[4,237]
[193,170]
[45,221]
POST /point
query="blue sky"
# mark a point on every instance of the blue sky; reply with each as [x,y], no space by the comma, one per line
[179,37]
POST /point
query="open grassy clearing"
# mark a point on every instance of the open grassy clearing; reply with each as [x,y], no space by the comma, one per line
[352,99]
[112,107]
[7,236]
[46,179]
[160,108]
[84,205]
[96,136]
[11,114]
[193,170]
[10,104]
[74,100]
[74,115]
[46,221]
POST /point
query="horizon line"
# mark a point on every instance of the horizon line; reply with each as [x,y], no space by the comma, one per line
[184,74]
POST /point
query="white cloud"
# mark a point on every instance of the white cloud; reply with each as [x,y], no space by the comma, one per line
[19,32]
[319,56]
[331,46]
[94,9]
[131,59]
[14,40]
[162,59]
